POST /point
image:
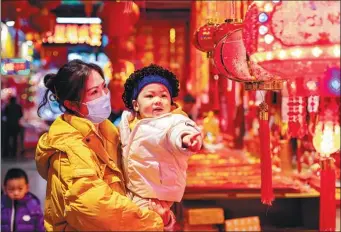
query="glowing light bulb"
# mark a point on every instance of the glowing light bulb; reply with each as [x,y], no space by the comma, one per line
[268,7]
[263,30]
[268,38]
[326,139]
[269,56]
[336,51]
[316,51]
[296,53]
[311,85]
[263,17]
[282,54]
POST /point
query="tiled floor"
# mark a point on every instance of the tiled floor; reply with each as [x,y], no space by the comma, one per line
[38,184]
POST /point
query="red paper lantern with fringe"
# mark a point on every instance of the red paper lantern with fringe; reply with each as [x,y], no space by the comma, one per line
[203,38]
[43,22]
[226,28]
[117,12]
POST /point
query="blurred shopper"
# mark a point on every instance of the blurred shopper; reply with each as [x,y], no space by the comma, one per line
[20,209]
[189,106]
[80,159]
[13,113]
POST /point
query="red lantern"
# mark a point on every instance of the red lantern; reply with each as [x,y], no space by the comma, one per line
[43,22]
[227,28]
[115,12]
[293,39]
[120,47]
[231,60]
[17,9]
[203,38]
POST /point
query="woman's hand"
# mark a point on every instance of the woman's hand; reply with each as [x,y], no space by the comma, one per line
[162,208]
[192,142]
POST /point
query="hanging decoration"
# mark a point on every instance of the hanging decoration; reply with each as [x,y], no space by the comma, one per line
[43,22]
[12,10]
[89,7]
[203,38]
[232,61]
[115,12]
[226,28]
[293,39]
[266,164]
[326,141]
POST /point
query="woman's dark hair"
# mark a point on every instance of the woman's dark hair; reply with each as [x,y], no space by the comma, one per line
[68,83]
[138,75]
[15,173]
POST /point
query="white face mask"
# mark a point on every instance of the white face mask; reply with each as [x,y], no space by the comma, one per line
[99,109]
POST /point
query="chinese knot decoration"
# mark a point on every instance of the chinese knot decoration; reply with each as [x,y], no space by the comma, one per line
[293,39]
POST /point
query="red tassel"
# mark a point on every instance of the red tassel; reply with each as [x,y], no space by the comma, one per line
[266,164]
[327,195]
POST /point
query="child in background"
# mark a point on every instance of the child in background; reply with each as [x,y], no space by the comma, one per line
[157,138]
[20,209]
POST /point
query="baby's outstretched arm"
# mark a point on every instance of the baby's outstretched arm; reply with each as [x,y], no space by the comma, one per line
[185,137]
[193,142]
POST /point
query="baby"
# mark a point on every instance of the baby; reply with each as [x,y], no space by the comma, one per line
[157,138]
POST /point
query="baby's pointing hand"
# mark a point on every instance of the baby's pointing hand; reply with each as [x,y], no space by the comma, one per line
[192,142]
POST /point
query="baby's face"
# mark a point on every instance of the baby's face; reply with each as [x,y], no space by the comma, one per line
[16,188]
[153,100]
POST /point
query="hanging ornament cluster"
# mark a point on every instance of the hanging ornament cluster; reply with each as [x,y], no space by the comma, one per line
[293,39]
[297,127]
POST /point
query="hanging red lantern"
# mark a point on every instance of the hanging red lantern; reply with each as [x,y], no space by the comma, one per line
[12,10]
[43,22]
[226,28]
[231,60]
[203,38]
[293,39]
[115,12]
[120,47]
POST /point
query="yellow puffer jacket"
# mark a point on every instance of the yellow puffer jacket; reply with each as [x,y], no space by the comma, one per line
[85,186]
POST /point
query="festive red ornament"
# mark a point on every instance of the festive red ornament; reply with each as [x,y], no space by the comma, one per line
[203,38]
[120,48]
[43,22]
[117,12]
[12,10]
[267,195]
[226,28]
[231,60]
[293,39]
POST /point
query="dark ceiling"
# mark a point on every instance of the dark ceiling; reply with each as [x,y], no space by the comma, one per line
[150,6]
